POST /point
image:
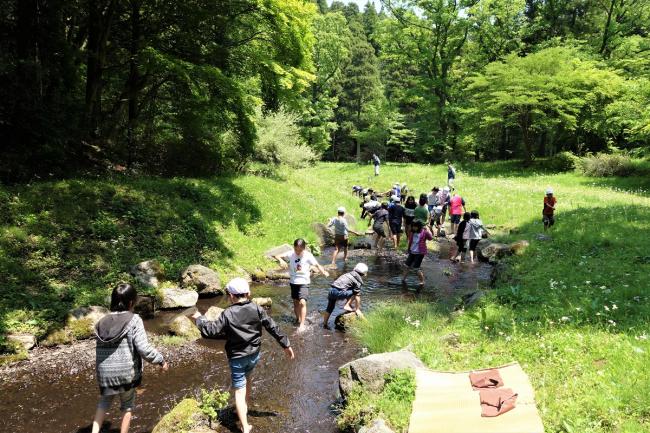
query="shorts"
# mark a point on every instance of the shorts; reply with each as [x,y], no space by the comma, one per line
[414,261]
[379,230]
[241,368]
[548,220]
[455,219]
[299,291]
[336,294]
[396,228]
[473,243]
[341,241]
[127,401]
[462,246]
[408,221]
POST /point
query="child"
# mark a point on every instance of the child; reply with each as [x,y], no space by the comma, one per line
[241,325]
[341,230]
[405,192]
[121,345]
[456,209]
[422,212]
[451,176]
[376,162]
[300,263]
[395,217]
[409,213]
[460,239]
[548,214]
[369,207]
[473,233]
[417,249]
[380,217]
[443,200]
[348,287]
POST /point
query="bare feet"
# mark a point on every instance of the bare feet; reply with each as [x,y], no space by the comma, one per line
[247,430]
[348,308]
[302,328]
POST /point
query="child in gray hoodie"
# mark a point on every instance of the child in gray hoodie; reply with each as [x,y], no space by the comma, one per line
[121,345]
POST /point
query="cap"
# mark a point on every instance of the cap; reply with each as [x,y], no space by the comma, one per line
[394,198]
[341,209]
[238,286]
[549,190]
[361,268]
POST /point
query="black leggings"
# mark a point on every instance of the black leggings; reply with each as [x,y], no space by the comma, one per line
[473,243]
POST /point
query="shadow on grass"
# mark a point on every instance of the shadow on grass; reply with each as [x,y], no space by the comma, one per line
[510,168]
[65,243]
[633,185]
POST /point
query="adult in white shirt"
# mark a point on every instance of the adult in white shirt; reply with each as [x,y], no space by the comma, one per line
[299,261]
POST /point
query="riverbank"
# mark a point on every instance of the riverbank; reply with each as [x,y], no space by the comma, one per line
[572,309]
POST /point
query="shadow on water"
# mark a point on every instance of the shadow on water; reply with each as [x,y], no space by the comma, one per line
[287,396]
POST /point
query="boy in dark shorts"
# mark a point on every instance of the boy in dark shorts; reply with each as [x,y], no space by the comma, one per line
[341,234]
[548,214]
[300,263]
[395,218]
[241,325]
[348,287]
[380,217]
[417,249]
[460,239]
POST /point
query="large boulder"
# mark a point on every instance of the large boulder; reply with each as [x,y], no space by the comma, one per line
[202,279]
[278,251]
[213,313]
[519,247]
[278,274]
[178,298]
[361,244]
[377,426]
[325,234]
[370,371]
[489,251]
[145,306]
[263,302]
[26,341]
[93,313]
[185,416]
[343,321]
[148,273]
[182,326]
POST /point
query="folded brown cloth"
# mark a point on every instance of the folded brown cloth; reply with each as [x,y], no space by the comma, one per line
[495,402]
[486,379]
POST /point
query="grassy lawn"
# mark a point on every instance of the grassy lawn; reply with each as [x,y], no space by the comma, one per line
[573,311]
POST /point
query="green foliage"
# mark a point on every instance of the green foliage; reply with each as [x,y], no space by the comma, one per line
[280,141]
[560,162]
[393,404]
[181,419]
[211,402]
[604,165]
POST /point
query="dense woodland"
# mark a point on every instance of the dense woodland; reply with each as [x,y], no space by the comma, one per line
[204,87]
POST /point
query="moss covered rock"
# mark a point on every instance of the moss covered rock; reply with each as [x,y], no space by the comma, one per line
[183,418]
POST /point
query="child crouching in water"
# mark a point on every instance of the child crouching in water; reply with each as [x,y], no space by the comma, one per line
[121,345]
[241,325]
[348,287]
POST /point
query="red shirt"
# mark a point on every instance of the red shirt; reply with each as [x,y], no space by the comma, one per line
[549,204]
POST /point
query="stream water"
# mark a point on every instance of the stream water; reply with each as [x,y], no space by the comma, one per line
[287,396]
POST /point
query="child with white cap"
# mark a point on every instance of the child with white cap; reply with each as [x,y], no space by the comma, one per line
[548,214]
[341,234]
[241,325]
[348,287]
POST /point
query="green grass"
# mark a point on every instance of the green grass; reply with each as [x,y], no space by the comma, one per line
[573,311]
[393,403]
[67,243]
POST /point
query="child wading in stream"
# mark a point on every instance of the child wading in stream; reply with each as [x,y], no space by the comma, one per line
[241,324]
[417,249]
[300,263]
[121,346]
[348,287]
[341,234]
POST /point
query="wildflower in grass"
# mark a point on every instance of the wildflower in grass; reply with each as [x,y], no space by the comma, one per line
[606,307]
[565,319]
[614,307]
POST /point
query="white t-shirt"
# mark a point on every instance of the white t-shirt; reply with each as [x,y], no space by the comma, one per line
[415,245]
[299,267]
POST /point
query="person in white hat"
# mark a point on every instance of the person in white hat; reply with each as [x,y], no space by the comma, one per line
[342,232]
[548,214]
[348,287]
[241,324]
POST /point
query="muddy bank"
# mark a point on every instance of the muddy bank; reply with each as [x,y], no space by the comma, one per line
[56,391]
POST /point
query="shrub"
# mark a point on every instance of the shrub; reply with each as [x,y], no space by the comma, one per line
[212,402]
[562,162]
[603,165]
[280,142]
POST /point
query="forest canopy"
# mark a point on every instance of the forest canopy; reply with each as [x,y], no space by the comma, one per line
[186,88]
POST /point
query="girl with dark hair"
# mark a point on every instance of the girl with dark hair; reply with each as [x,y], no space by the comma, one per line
[474,233]
[380,218]
[409,213]
[121,345]
[417,249]
[459,237]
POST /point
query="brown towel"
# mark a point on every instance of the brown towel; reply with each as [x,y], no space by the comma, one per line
[486,379]
[495,402]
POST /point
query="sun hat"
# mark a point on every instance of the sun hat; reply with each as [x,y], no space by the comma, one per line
[238,286]
[341,209]
[361,268]
[549,190]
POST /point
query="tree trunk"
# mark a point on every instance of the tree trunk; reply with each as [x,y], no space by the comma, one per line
[524,122]
[608,22]
[134,78]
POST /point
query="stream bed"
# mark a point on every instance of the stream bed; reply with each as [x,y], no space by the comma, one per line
[59,393]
